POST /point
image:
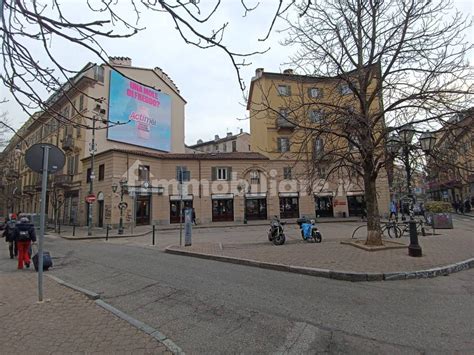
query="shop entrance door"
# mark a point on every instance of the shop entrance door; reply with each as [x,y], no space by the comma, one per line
[142,216]
[223,210]
[356,205]
[256,208]
[289,207]
[174,210]
[100,211]
[324,206]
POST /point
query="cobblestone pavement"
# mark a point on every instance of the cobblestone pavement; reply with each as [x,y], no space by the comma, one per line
[447,247]
[67,323]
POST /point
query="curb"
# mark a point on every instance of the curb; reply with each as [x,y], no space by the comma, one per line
[336,274]
[170,345]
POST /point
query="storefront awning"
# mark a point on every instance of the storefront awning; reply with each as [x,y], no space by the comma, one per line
[178,198]
[288,194]
[324,193]
[355,193]
[222,196]
[256,195]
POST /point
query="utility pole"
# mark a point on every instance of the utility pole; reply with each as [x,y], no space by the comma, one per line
[180,206]
[92,150]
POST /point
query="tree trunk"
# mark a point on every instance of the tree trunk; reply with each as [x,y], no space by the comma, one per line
[374,232]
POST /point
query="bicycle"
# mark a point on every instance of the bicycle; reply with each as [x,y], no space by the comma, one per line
[389,228]
[405,227]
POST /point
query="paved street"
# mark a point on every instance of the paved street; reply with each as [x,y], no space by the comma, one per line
[212,307]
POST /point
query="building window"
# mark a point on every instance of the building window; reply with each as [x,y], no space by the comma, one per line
[255,177]
[101,172]
[88,177]
[287,173]
[283,144]
[81,102]
[99,73]
[316,116]
[182,173]
[284,113]
[234,146]
[315,93]
[224,147]
[144,172]
[318,146]
[321,172]
[222,173]
[78,131]
[284,90]
[216,148]
[345,89]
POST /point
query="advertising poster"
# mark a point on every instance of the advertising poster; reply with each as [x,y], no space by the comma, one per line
[144,114]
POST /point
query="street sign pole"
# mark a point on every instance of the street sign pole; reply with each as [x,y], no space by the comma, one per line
[44,186]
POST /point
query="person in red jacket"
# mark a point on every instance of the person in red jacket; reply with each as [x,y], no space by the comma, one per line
[24,235]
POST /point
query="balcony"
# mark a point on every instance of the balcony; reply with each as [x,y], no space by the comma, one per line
[63,180]
[68,143]
[283,123]
[29,189]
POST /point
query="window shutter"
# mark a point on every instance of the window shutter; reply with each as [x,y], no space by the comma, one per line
[214,173]
[229,173]
[279,144]
[289,90]
[309,93]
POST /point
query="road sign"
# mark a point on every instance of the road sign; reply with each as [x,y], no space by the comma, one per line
[90,198]
[123,205]
[34,158]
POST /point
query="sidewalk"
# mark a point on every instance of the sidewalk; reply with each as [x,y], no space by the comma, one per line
[67,323]
[68,232]
[335,260]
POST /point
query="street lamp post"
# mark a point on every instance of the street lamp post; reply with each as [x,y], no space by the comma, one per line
[403,141]
[123,184]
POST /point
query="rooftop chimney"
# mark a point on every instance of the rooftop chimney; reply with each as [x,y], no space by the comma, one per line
[288,71]
[216,137]
[258,72]
[199,141]
[241,130]
[229,134]
[125,61]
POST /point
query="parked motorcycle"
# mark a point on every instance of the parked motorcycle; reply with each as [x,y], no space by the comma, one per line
[309,231]
[276,234]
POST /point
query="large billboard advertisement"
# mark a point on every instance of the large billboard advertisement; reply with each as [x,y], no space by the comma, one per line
[142,113]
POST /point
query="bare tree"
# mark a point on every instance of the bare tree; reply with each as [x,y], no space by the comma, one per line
[30,29]
[390,63]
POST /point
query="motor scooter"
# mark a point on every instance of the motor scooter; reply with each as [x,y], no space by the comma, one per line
[276,234]
[309,231]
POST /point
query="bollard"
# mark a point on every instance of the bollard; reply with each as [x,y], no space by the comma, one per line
[107,233]
[153,236]
[74,230]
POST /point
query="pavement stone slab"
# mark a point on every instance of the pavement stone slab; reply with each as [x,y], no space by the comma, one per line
[66,322]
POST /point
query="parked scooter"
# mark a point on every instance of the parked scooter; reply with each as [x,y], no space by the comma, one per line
[309,231]
[276,234]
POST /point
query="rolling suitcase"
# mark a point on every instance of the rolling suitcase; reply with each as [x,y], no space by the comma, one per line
[47,261]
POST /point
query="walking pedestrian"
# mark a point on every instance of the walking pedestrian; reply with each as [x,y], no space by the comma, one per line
[24,235]
[393,210]
[194,217]
[9,235]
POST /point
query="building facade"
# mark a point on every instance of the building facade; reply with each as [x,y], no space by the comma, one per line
[239,142]
[284,108]
[79,112]
[451,170]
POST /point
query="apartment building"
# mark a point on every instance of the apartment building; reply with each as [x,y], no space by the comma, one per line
[283,109]
[239,142]
[90,106]
[451,170]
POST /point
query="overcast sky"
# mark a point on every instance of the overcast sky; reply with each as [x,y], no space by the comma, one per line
[206,78]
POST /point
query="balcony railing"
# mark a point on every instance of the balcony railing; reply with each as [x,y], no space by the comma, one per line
[29,189]
[64,180]
[282,122]
[68,143]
